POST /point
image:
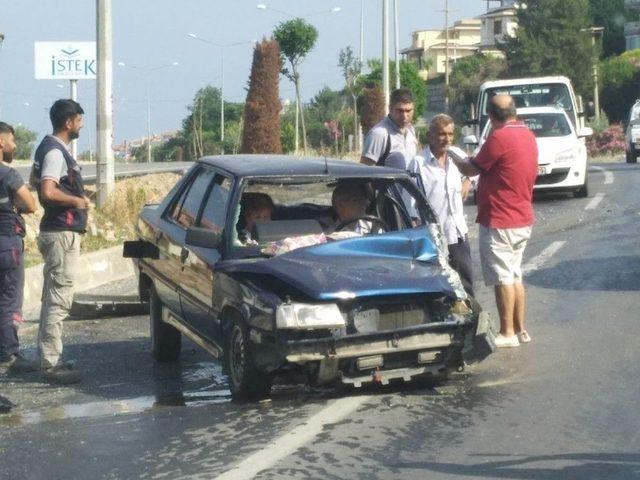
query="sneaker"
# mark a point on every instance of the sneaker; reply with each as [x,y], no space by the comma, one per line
[62,374]
[18,364]
[524,336]
[502,341]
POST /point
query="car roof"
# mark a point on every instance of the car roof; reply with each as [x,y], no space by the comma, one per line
[247,165]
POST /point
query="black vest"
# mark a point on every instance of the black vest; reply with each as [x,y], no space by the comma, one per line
[56,217]
[11,222]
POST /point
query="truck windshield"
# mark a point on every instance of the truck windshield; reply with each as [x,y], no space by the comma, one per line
[533,95]
[546,124]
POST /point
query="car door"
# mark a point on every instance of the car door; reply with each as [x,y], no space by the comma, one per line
[198,269]
[180,215]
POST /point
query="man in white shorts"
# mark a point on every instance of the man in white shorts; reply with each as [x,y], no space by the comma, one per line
[507,164]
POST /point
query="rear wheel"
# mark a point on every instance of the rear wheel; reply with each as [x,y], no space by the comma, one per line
[166,340]
[246,382]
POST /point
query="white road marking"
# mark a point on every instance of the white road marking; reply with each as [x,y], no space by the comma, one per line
[595,201]
[608,176]
[537,261]
[291,441]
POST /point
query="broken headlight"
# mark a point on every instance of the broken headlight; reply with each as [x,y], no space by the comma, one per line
[304,316]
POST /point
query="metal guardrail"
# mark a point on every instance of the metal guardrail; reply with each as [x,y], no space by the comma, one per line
[123,170]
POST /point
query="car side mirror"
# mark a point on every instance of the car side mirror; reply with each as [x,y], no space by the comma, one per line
[202,237]
[470,140]
[585,132]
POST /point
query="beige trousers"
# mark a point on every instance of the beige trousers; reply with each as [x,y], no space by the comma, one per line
[60,251]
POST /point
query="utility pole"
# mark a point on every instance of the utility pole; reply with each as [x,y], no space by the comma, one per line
[446,56]
[395,53]
[104,120]
[385,54]
[361,35]
[595,32]
[73,90]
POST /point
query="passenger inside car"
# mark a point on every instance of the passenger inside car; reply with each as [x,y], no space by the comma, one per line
[255,207]
[350,202]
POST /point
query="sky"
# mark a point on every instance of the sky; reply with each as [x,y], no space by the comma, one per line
[154,33]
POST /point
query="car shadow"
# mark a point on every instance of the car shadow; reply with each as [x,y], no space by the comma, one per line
[615,274]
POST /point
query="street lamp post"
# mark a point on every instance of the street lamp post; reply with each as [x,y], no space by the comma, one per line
[221,46]
[147,71]
[595,32]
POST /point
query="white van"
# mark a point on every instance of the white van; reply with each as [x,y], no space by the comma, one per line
[530,92]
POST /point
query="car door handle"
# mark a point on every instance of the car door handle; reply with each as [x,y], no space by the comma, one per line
[183,255]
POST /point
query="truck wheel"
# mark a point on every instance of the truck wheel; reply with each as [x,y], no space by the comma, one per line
[166,341]
[246,382]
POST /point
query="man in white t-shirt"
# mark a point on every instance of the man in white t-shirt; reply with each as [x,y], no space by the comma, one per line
[392,141]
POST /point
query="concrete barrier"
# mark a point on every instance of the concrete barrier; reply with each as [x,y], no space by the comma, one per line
[94,269]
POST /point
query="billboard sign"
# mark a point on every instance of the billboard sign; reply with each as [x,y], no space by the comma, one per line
[65,60]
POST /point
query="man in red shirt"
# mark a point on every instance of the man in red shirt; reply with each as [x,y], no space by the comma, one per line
[507,164]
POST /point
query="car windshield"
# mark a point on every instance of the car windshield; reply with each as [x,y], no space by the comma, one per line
[280,214]
[545,125]
[534,95]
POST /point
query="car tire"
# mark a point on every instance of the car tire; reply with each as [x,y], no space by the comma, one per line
[246,382]
[583,191]
[166,340]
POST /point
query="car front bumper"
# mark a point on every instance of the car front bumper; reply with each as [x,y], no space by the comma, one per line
[382,356]
[561,175]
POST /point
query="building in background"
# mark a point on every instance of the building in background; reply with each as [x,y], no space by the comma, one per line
[428,47]
[498,23]
[632,29]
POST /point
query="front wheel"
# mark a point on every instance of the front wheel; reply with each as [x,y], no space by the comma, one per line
[246,382]
[583,191]
[166,340]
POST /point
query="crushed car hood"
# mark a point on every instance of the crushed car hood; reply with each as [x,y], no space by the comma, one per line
[396,263]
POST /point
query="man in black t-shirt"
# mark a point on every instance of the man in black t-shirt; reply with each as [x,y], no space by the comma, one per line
[15,199]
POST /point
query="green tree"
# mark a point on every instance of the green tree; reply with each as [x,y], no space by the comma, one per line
[620,84]
[324,110]
[296,38]
[351,68]
[549,41]
[611,15]
[409,78]
[467,75]
[262,109]
[25,139]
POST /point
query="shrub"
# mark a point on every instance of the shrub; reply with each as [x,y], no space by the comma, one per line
[609,141]
[371,106]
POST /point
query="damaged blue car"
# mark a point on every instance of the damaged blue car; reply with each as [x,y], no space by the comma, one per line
[277,264]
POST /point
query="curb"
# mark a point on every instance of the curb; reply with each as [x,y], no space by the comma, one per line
[94,269]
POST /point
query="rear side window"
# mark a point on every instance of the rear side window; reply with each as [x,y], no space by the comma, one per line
[215,209]
[186,209]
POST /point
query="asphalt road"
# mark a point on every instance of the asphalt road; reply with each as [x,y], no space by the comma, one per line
[122,169]
[563,407]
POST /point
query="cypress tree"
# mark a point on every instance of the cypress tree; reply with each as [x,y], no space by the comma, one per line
[261,132]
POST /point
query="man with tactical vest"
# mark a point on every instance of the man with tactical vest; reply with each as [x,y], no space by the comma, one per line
[15,199]
[57,177]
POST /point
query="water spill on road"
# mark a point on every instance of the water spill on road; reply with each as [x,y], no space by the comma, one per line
[192,385]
